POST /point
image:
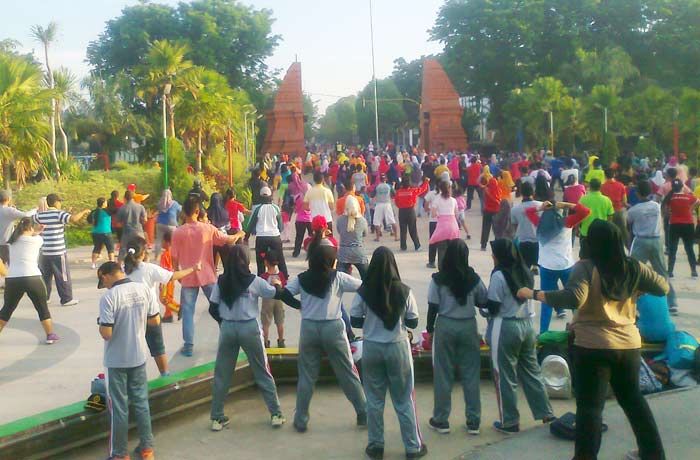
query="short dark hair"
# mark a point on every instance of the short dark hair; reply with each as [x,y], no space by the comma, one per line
[109,268]
[318,177]
[52,199]
[128,195]
[609,173]
[100,202]
[526,189]
[643,188]
[672,173]
[595,184]
[191,205]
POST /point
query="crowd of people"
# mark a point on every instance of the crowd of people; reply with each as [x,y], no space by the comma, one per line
[630,207]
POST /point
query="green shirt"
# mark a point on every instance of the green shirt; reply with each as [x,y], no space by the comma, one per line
[601,208]
[595,174]
[101,221]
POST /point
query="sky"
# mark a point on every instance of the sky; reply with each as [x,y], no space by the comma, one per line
[331,38]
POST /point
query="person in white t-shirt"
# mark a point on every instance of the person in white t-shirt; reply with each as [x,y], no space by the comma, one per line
[24,277]
[153,276]
[432,224]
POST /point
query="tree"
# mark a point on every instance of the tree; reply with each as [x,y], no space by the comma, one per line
[24,106]
[611,67]
[408,78]
[64,90]
[339,123]
[310,117]
[233,39]
[690,121]
[46,36]
[391,113]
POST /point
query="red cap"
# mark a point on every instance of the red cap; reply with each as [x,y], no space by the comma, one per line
[319,223]
[131,187]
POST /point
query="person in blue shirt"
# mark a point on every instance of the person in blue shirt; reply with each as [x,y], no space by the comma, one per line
[168,210]
[101,232]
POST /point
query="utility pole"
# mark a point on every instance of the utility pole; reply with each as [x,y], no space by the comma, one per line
[374,78]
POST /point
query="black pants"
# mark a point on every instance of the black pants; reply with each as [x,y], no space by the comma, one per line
[486,227]
[56,267]
[530,251]
[594,369]
[361,268]
[407,221]
[34,287]
[584,251]
[470,194]
[685,232]
[265,244]
[432,249]
[302,228]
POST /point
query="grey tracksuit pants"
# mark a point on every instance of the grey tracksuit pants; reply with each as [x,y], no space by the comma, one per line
[390,366]
[329,337]
[652,250]
[234,335]
[456,347]
[513,357]
[128,386]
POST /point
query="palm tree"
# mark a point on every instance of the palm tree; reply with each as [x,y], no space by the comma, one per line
[46,36]
[64,90]
[24,105]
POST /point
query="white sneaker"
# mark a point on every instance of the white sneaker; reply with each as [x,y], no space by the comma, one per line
[220,423]
[70,303]
[94,266]
[277,420]
[632,455]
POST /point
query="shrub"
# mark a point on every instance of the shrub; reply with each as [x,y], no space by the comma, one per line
[77,194]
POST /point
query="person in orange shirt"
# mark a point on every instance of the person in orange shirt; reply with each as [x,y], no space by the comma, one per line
[138,198]
[617,192]
[349,190]
[167,291]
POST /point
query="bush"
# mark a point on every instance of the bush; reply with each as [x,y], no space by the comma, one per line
[78,236]
[146,177]
[77,194]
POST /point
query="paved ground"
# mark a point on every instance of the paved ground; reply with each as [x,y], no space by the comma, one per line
[61,374]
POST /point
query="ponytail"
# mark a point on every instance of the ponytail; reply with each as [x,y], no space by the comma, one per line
[135,250]
[24,225]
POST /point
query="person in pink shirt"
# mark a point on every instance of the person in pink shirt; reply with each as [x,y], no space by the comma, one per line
[194,242]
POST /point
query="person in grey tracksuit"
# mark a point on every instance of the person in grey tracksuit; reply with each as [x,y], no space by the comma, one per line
[384,307]
[323,331]
[234,304]
[453,295]
[513,340]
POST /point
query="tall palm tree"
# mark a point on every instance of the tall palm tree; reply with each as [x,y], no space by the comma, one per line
[64,90]
[24,105]
[46,36]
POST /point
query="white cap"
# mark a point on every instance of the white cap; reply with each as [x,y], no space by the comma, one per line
[265,191]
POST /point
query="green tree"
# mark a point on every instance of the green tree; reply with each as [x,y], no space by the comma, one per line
[65,83]
[690,122]
[649,113]
[390,109]
[408,77]
[611,67]
[46,36]
[339,123]
[310,117]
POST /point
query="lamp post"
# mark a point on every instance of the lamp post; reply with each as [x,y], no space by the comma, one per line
[166,93]
[551,131]
[245,128]
[374,77]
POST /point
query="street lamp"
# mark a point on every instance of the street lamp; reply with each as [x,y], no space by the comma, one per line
[166,93]
[245,127]
[374,78]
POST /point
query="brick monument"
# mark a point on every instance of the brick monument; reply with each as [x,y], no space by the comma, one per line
[285,122]
[441,114]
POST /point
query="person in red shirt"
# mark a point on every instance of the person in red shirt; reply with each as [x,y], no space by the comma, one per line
[492,204]
[617,192]
[473,173]
[233,207]
[405,200]
[680,207]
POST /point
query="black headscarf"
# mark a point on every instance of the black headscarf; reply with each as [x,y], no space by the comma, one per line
[236,277]
[382,289]
[317,280]
[455,272]
[542,190]
[217,213]
[511,264]
[619,274]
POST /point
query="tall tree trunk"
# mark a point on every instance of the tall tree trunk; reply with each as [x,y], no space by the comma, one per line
[5,174]
[63,133]
[198,162]
[52,118]
[171,115]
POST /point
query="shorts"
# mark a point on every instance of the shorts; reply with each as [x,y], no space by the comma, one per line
[460,218]
[100,240]
[383,212]
[154,340]
[272,308]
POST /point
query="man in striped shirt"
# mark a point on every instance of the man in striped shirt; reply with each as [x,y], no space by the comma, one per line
[53,261]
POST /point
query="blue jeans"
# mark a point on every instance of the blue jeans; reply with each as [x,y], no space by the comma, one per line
[188,302]
[128,387]
[549,281]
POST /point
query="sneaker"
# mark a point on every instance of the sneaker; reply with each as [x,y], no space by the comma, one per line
[670,274]
[144,454]
[498,426]
[473,428]
[300,428]
[632,455]
[694,274]
[440,427]
[218,424]
[281,344]
[561,315]
[430,265]
[267,343]
[362,420]
[673,311]
[548,419]
[417,248]
[535,271]
[187,350]
[277,420]
[70,303]
[93,266]
[421,453]
[375,453]
[52,338]
[483,248]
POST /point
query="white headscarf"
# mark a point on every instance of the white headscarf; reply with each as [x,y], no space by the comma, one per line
[352,210]
[165,201]
[658,179]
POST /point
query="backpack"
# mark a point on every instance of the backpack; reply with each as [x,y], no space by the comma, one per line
[648,382]
[556,377]
[680,350]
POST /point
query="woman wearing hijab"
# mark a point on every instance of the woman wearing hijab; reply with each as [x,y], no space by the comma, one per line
[556,252]
[657,181]
[444,207]
[384,308]
[602,289]
[352,228]
[234,305]
[322,331]
[543,192]
[168,209]
[505,182]
[453,296]
[513,340]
